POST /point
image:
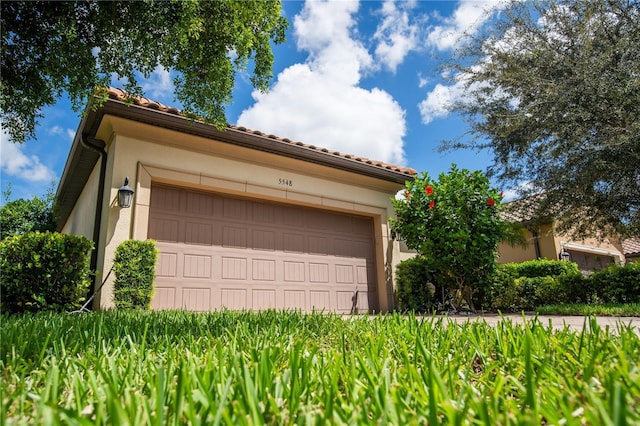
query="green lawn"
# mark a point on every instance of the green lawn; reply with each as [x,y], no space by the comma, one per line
[286,368]
[605,309]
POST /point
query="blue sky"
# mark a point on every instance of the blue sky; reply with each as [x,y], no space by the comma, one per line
[361,78]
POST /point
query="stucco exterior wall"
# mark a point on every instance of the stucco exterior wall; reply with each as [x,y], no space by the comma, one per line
[82,218]
[550,244]
[148,154]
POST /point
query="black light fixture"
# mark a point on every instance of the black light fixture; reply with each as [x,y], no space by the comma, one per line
[564,255]
[125,194]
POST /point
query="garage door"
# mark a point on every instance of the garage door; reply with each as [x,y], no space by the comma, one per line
[221,252]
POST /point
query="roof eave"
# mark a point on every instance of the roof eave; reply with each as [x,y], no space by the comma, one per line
[82,160]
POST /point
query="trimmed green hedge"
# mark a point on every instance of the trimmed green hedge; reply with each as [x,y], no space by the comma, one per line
[542,268]
[617,285]
[43,272]
[415,289]
[134,267]
[517,286]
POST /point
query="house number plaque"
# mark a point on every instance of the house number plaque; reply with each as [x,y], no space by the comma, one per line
[285,182]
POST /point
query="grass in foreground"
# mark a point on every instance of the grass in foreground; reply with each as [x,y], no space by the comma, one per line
[288,368]
[610,310]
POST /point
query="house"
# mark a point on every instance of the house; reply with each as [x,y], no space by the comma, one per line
[631,249]
[242,219]
[545,241]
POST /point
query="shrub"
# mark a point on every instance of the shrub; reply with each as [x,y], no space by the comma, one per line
[577,288]
[454,222]
[526,285]
[616,284]
[545,268]
[507,295]
[43,272]
[415,288]
[134,268]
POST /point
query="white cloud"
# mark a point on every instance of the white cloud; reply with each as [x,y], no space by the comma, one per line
[466,19]
[60,131]
[319,102]
[159,85]
[396,37]
[14,162]
[438,102]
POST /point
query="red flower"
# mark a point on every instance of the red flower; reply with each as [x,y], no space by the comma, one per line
[432,204]
[501,194]
[429,190]
[491,202]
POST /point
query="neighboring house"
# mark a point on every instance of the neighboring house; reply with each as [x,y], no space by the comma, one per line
[545,242]
[242,219]
[631,249]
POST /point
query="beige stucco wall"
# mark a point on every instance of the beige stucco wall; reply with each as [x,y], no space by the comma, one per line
[82,217]
[551,243]
[150,154]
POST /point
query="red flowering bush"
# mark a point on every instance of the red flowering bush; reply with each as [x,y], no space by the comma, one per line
[454,223]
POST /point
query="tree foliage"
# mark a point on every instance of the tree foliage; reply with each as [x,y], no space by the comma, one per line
[76,46]
[453,222]
[553,89]
[22,216]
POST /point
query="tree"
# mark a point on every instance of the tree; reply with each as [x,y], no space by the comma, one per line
[76,46]
[22,216]
[553,89]
[453,222]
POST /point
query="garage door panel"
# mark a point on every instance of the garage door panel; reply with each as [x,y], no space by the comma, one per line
[235,209]
[233,298]
[263,270]
[167,264]
[263,299]
[163,298]
[198,233]
[263,240]
[293,243]
[294,271]
[197,266]
[318,245]
[164,229]
[295,300]
[318,272]
[234,268]
[344,274]
[168,199]
[196,299]
[245,256]
[320,300]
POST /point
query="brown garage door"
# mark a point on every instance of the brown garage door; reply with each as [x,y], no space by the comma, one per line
[223,252]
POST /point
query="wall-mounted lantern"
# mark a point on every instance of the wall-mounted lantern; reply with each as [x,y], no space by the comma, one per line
[564,255]
[125,194]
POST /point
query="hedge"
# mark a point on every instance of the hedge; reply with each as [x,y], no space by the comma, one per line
[617,285]
[415,289]
[43,272]
[134,267]
[522,286]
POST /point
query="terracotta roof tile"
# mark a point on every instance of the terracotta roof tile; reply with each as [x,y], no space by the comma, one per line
[121,95]
[631,246]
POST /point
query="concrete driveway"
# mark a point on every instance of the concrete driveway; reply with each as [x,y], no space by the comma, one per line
[558,322]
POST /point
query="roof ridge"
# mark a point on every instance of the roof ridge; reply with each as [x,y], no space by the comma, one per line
[123,96]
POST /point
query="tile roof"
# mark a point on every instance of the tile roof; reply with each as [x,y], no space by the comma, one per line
[631,246]
[121,95]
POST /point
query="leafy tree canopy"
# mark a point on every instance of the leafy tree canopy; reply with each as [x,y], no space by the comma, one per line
[454,222]
[22,216]
[553,89]
[76,46]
